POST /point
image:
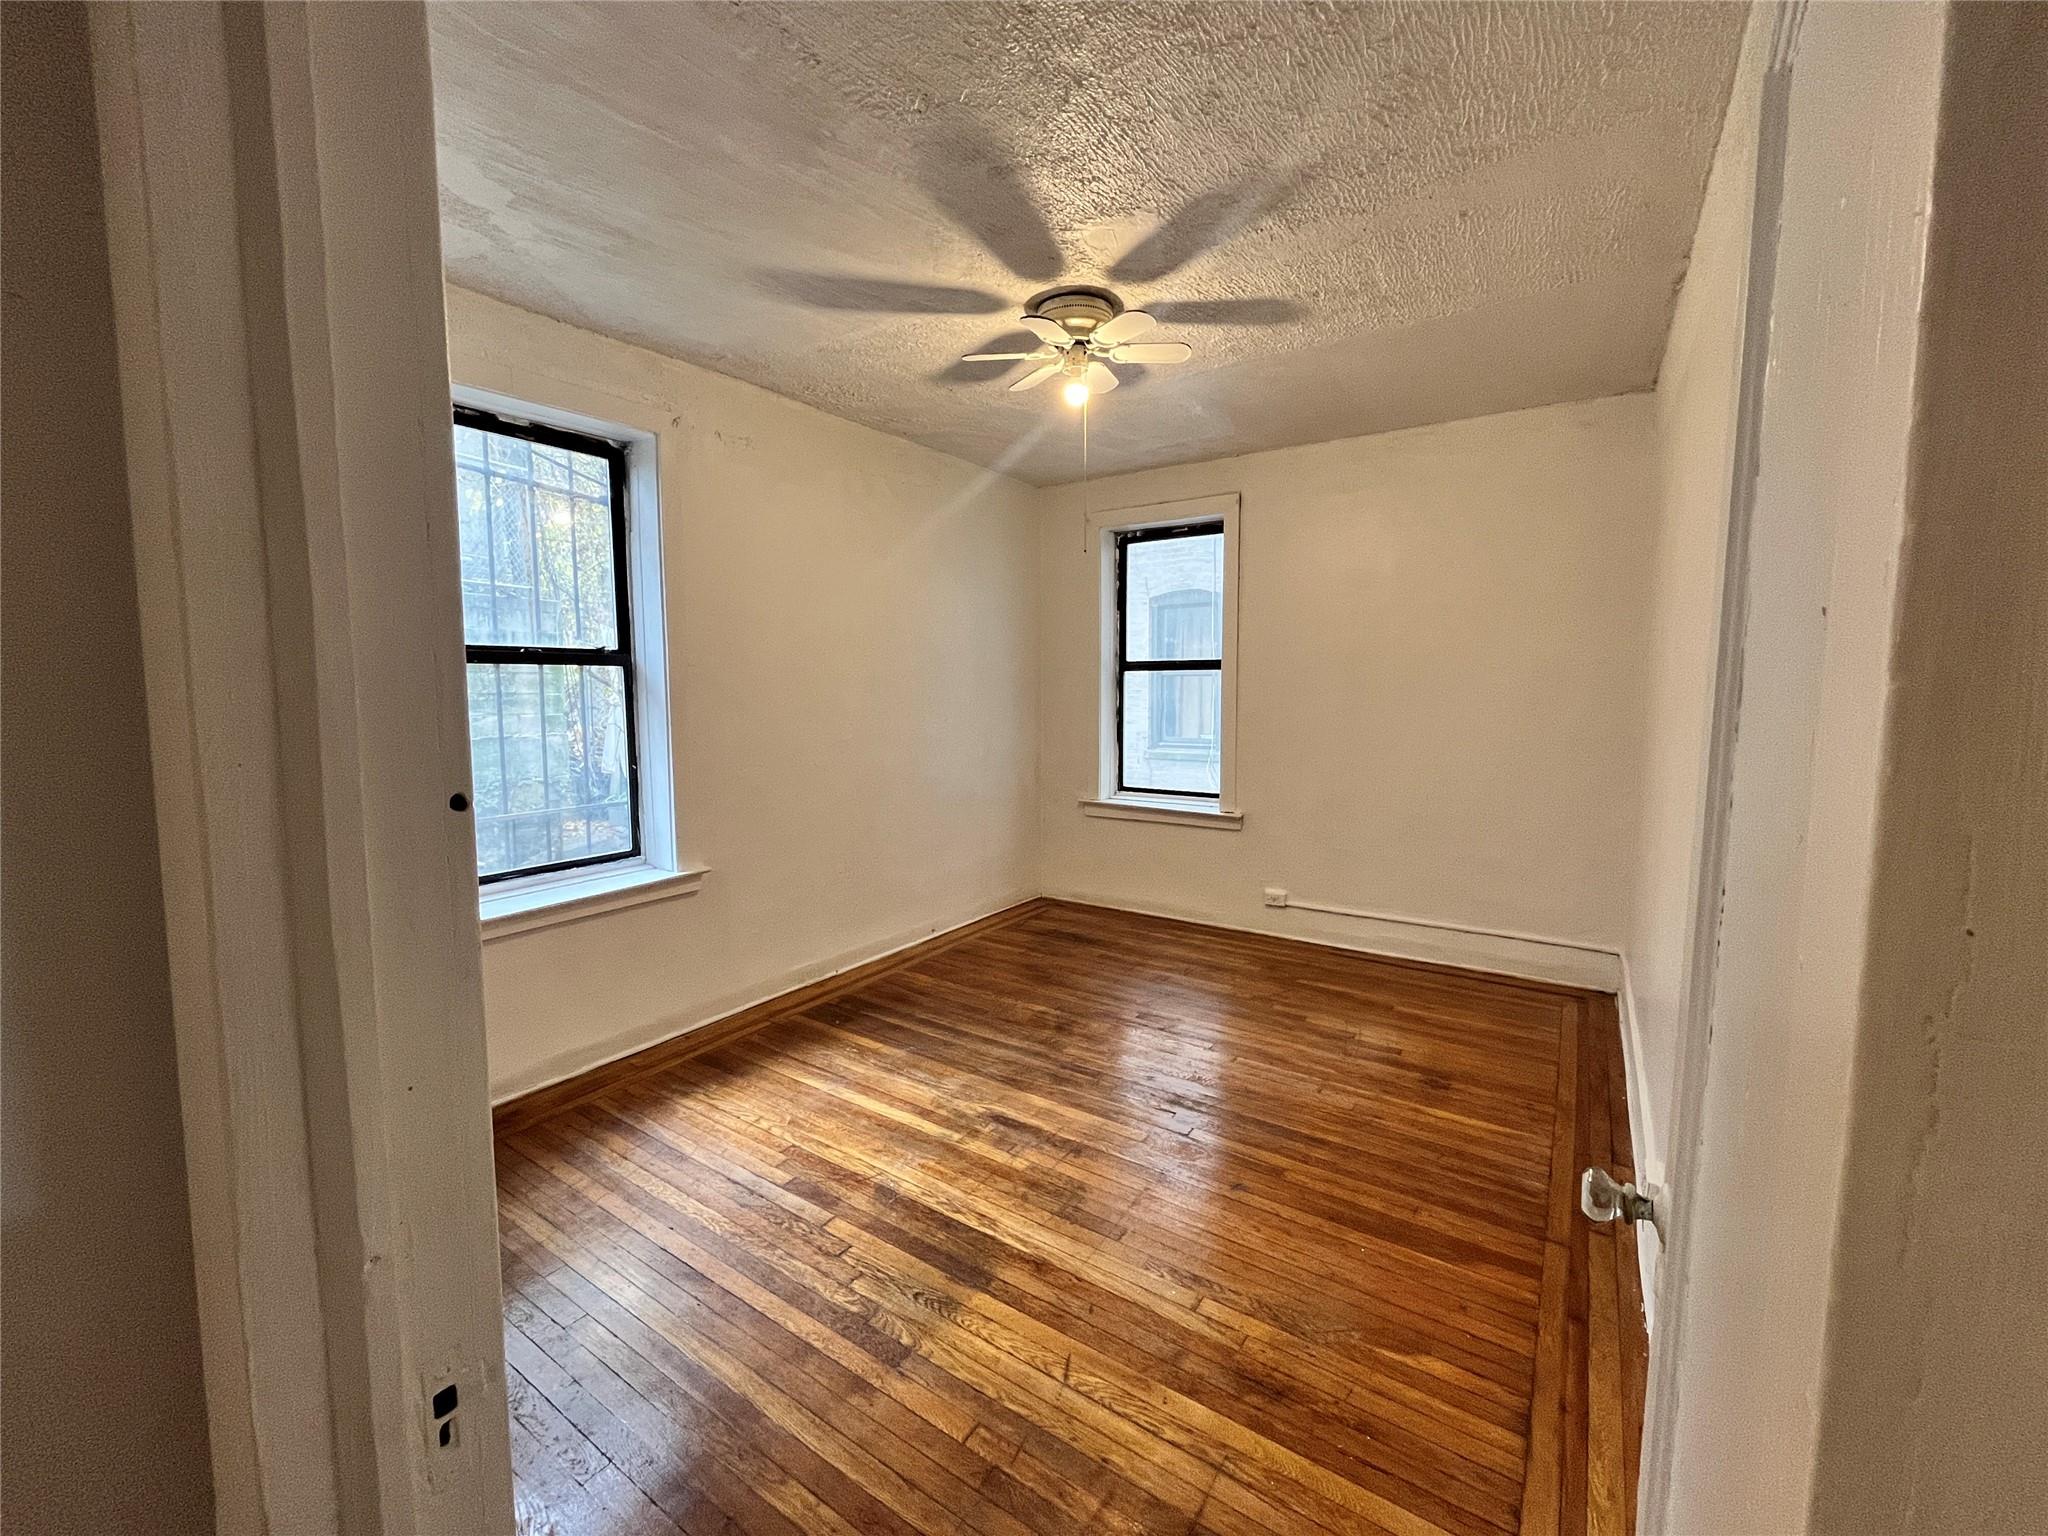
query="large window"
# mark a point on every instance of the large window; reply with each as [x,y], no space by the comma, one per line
[1169,671]
[542,515]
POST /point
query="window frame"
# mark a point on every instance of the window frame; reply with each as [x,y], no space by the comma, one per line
[1102,798]
[621,655]
[1122,540]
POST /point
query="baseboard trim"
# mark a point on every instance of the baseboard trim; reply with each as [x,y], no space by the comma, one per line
[1557,962]
[1642,1132]
[567,1084]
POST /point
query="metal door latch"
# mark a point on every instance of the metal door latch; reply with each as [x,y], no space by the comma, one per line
[1603,1200]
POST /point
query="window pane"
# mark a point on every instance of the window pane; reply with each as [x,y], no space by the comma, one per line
[548,756]
[1173,599]
[535,523]
[1172,738]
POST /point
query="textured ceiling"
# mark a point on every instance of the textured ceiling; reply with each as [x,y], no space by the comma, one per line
[1362,216]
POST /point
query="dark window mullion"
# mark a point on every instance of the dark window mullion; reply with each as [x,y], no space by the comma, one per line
[1174,531]
[546,656]
[1123,633]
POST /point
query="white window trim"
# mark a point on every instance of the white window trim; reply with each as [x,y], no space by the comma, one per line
[519,905]
[1130,807]
[1127,805]
[568,895]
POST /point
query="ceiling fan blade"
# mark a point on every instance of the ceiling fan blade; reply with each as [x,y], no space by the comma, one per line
[999,357]
[1038,376]
[1152,352]
[1130,324]
[1046,330]
[1099,379]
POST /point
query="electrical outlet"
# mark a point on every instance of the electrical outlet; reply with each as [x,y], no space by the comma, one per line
[1275,896]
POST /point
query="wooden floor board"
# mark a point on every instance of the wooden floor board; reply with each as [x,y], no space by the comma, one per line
[1080,1221]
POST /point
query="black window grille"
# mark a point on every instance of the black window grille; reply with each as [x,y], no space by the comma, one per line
[548,635]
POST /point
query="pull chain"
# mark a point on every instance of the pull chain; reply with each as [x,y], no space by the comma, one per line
[1085,404]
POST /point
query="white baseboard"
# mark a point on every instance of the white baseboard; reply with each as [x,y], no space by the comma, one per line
[1558,961]
[573,1063]
[1642,1131]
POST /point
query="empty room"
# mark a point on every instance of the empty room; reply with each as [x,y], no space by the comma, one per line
[1207,769]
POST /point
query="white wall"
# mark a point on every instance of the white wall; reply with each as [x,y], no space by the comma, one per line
[1439,678]
[853,668]
[1697,390]
[103,1422]
[1935,1405]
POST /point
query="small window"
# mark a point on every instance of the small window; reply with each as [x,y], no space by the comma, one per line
[1169,673]
[549,639]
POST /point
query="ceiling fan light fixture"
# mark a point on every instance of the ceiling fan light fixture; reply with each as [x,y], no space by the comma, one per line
[1079,330]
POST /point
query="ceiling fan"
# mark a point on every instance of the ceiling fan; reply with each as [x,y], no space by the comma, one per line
[1082,331]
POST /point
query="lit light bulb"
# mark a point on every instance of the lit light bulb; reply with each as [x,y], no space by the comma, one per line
[1075,393]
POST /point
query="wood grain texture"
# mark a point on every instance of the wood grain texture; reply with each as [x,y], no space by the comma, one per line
[527,1108]
[1081,1221]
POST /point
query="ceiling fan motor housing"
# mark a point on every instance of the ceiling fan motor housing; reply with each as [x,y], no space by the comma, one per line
[1080,311]
[1080,331]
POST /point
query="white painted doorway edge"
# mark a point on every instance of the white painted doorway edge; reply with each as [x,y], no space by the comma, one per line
[1710,856]
[273,225]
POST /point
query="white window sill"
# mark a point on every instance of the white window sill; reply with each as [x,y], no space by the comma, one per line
[1162,808]
[523,905]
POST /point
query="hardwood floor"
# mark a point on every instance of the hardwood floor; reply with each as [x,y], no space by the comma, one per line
[1084,1222]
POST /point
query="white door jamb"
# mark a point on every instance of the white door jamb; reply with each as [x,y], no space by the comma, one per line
[273,225]
[1711,854]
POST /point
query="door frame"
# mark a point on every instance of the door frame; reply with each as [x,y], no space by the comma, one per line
[1710,861]
[273,221]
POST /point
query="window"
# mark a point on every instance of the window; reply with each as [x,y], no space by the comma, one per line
[1167,736]
[1185,623]
[1169,665]
[549,640]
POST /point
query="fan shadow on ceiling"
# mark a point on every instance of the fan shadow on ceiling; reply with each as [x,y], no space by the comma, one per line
[971,181]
